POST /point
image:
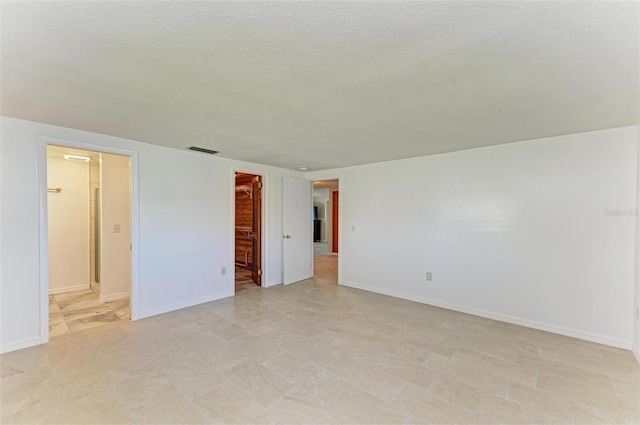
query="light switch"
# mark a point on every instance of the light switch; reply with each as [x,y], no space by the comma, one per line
[116,228]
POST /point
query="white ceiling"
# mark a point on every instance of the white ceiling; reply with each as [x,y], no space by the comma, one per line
[322,84]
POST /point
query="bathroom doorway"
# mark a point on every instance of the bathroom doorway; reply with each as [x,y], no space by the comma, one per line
[89,233]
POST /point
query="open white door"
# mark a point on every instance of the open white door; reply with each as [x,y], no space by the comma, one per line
[298,231]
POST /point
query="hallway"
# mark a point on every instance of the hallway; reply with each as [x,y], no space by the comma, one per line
[325,264]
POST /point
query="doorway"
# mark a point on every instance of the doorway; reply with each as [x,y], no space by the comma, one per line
[89,236]
[325,231]
[248,231]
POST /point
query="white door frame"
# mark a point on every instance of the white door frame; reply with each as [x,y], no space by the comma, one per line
[43,227]
[264,228]
[340,222]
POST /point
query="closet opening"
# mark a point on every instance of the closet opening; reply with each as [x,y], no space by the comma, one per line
[248,231]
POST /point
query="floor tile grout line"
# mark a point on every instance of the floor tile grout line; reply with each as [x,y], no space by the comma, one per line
[113,384]
[281,376]
[192,400]
[384,372]
[55,386]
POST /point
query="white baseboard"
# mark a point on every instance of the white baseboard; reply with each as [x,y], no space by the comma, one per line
[185,304]
[273,283]
[636,352]
[19,345]
[574,333]
[114,297]
[69,289]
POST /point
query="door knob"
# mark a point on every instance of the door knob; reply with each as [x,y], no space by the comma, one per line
[287,236]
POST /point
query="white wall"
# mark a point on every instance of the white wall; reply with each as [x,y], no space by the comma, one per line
[525,232]
[636,339]
[517,232]
[115,211]
[68,219]
[186,225]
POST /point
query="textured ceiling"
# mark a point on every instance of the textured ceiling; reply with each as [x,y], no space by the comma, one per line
[322,84]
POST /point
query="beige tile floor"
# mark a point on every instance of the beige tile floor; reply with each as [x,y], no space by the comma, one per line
[314,353]
[325,264]
[244,280]
[80,310]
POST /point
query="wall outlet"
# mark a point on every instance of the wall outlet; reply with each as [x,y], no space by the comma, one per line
[429,276]
[116,228]
[353,227]
[223,271]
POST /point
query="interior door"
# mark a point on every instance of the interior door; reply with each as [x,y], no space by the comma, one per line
[298,230]
[256,234]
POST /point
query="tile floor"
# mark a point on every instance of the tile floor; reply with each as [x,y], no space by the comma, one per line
[313,353]
[325,264]
[80,310]
[244,280]
[325,268]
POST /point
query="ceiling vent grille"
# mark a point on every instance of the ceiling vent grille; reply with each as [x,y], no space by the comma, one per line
[203,150]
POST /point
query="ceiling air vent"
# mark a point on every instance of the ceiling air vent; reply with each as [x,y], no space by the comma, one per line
[203,150]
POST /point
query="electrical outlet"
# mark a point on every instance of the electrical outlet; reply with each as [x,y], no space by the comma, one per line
[429,276]
[353,227]
[223,271]
[116,228]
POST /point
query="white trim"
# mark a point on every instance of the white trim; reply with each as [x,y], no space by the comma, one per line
[185,304]
[69,289]
[43,242]
[274,283]
[264,229]
[95,287]
[19,345]
[43,224]
[574,333]
[114,297]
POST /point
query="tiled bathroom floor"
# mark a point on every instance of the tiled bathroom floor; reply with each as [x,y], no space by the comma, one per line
[80,310]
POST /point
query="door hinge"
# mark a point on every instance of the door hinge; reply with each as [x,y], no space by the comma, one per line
[259,185]
[259,272]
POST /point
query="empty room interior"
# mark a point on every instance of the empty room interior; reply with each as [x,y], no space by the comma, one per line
[320,212]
